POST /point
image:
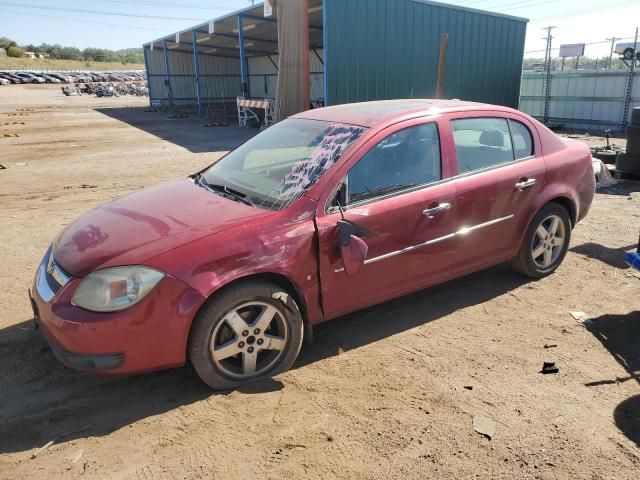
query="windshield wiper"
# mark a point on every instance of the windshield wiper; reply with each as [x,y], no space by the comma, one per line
[235,194]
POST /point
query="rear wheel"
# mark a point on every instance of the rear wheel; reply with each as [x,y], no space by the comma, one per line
[249,331]
[628,54]
[545,244]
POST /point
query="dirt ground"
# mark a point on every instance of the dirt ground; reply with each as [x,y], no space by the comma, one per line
[390,392]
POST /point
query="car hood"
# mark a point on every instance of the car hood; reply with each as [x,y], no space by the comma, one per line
[144,224]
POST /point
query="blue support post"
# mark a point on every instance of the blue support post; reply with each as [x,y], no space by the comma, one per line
[167,72]
[243,59]
[196,67]
[325,38]
[146,69]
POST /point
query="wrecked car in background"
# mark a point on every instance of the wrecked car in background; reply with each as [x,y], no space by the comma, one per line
[322,214]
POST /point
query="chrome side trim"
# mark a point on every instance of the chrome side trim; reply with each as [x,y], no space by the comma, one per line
[461,232]
[465,230]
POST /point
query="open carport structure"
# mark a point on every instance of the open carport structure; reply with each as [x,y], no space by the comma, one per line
[358,50]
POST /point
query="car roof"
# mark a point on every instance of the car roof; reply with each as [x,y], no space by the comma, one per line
[382,112]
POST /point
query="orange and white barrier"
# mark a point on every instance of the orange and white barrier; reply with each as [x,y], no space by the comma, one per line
[245,110]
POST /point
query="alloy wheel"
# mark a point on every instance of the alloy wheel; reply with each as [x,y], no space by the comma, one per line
[249,340]
[548,241]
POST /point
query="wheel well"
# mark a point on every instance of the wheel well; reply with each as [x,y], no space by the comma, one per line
[282,281]
[568,206]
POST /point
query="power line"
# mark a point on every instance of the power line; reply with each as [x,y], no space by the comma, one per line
[83,21]
[169,4]
[578,13]
[591,43]
[97,12]
[525,4]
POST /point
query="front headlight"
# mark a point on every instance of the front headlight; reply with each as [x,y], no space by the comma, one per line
[114,289]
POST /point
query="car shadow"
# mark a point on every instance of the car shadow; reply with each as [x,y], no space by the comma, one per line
[40,400]
[608,255]
[619,334]
[188,132]
[387,319]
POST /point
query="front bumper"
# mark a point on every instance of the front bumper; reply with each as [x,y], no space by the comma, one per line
[151,335]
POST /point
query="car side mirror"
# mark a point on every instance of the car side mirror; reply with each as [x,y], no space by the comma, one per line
[353,249]
[353,255]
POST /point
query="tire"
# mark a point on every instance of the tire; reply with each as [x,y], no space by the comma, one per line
[628,54]
[545,263]
[229,325]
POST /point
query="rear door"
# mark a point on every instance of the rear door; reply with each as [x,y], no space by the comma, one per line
[499,172]
[394,187]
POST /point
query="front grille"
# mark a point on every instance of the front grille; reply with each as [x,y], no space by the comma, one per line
[55,276]
[53,285]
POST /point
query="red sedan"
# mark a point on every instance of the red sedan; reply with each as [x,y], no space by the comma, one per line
[322,214]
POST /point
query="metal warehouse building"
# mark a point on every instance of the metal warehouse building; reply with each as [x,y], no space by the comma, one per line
[359,50]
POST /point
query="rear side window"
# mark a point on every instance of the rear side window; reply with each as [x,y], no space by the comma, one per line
[405,159]
[481,143]
[522,140]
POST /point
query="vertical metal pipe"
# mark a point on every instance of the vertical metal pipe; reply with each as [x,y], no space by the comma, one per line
[146,69]
[167,72]
[243,58]
[196,67]
[442,60]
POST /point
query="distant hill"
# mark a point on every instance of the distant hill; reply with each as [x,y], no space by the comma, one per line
[11,63]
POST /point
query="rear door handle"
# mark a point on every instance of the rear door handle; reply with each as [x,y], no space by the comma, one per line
[526,183]
[441,207]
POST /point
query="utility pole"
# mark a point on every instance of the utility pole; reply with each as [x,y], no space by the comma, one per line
[627,98]
[613,41]
[547,67]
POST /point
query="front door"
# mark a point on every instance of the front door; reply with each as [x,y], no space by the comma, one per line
[395,189]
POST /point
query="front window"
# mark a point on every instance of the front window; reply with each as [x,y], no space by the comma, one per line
[276,167]
[405,159]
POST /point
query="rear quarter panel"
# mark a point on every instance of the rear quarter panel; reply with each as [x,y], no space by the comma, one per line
[569,172]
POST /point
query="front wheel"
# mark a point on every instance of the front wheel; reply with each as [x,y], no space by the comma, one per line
[545,244]
[247,332]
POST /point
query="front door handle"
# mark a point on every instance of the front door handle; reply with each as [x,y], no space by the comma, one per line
[441,207]
[526,183]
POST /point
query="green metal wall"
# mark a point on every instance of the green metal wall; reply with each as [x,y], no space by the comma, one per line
[381,49]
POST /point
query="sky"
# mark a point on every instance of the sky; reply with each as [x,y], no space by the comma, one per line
[119,24]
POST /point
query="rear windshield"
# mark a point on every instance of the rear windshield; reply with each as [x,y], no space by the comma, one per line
[277,166]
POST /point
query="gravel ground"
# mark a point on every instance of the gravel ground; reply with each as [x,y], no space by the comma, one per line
[389,392]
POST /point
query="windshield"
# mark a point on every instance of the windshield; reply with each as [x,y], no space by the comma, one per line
[274,168]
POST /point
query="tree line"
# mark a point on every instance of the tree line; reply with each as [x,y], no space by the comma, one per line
[56,51]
